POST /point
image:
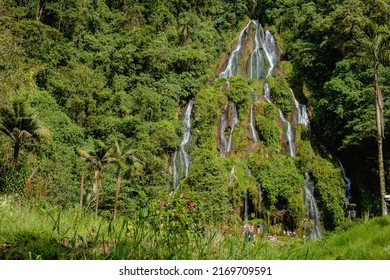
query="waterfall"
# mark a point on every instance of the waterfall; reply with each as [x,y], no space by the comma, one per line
[264,54]
[222,128]
[231,68]
[267,93]
[301,112]
[257,64]
[289,134]
[231,179]
[252,125]
[347,184]
[311,206]
[269,46]
[181,161]
[226,144]
[264,44]
[233,124]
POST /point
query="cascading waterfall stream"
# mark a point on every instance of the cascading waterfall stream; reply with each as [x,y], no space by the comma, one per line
[231,178]
[257,63]
[267,93]
[226,144]
[301,112]
[233,124]
[181,160]
[262,62]
[231,68]
[269,46]
[252,125]
[223,126]
[312,208]
[347,184]
[264,54]
[289,133]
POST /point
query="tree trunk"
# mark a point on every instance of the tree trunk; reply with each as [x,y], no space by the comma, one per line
[118,188]
[16,152]
[380,128]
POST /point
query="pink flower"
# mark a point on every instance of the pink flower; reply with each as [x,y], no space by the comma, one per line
[191,205]
[162,203]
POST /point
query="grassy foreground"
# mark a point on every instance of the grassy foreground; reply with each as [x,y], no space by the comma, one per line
[37,231]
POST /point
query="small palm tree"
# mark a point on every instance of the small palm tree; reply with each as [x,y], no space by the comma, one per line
[98,157]
[20,124]
[125,157]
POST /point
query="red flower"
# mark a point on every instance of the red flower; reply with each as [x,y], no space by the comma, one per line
[191,205]
[162,203]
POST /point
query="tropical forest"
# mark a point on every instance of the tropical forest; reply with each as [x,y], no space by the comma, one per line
[194,129]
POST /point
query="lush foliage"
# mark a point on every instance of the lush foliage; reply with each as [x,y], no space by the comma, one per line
[334,47]
[93,97]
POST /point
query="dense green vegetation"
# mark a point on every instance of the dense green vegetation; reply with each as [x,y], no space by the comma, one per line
[336,49]
[112,71]
[93,96]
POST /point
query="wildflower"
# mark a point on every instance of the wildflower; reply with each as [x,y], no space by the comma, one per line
[191,205]
[162,203]
[186,196]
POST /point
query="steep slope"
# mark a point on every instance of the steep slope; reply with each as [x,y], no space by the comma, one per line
[252,147]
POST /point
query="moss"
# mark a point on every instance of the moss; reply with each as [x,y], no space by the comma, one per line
[282,184]
[269,132]
[285,68]
[280,93]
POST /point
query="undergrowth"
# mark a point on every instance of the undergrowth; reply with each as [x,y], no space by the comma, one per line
[40,231]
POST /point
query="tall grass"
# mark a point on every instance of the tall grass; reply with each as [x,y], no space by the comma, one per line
[39,231]
[362,241]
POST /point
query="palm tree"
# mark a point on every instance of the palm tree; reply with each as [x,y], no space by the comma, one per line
[98,157]
[375,42]
[20,124]
[125,157]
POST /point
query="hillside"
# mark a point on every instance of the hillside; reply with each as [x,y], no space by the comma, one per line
[190,116]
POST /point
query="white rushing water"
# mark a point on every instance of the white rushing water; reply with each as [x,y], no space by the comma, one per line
[231,68]
[301,112]
[267,93]
[181,160]
[233,124]
[257,63]
[270,49]
[231,179]
[264,54]
[289,134]
[312,208]
[347,185]
[222,128]
[252,125]
[226,144]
